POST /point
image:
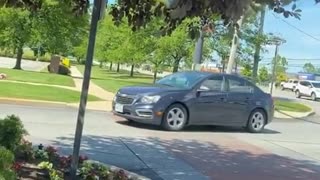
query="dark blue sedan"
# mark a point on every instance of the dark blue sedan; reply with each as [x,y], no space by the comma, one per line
[196,98]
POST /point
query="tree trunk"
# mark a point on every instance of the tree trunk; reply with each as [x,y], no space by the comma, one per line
[197,56]
[176,65]
[110,66]
[132,69]
[19,58]
[234,46]
[155,76]
[118,67]
[258,46]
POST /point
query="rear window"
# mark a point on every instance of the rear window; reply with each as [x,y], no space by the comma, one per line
[296,82]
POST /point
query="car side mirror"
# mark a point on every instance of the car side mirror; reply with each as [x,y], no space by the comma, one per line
[199,91]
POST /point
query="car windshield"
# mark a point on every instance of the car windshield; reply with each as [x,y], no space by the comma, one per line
[316,84]
[182,80]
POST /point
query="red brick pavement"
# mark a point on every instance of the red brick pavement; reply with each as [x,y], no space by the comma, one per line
[227,158]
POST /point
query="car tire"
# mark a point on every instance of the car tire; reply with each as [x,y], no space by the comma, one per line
[130,121]
[282,88]
[313,96]
[175,118]
[256,121]
[298,95]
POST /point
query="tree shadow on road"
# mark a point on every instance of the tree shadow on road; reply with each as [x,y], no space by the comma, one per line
[219,159]
[195,129]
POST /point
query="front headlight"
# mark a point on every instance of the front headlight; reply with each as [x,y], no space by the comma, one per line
[150,99]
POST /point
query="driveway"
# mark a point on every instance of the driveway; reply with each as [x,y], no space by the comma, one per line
[196,153]
[25,64]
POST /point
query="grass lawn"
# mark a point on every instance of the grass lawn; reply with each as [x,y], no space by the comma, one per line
[37,77]
[291,106]
[112,81]
[46,93]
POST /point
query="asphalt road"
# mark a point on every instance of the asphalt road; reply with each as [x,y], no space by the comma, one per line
[287,149]
[26,64]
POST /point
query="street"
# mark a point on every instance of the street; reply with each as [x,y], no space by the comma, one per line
[287,149]
[25,64]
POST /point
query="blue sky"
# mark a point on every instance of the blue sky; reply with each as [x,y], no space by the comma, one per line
[298,45]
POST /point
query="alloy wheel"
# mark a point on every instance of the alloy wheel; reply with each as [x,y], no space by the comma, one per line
[175,118]
[257,121]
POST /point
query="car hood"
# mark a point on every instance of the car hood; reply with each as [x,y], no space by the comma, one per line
[146,90]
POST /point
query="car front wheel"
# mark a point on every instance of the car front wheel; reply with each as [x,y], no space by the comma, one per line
[257,121]
[298,95]
[175,118]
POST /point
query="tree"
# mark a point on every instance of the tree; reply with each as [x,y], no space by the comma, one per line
[247,70]
[309,68]
[16,32]
[281,67]
[263,74]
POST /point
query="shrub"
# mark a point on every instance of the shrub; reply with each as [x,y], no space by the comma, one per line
[64,70]
[6,162]
[25,151]
[11,132]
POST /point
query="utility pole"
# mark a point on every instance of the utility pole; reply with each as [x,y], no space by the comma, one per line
[98,9]
[277,41]
[274,68]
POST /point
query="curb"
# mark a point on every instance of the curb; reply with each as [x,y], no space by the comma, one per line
[292,115]
[15,101]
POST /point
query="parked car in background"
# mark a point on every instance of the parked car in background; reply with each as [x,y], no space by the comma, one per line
[196,98]
[308,89]
[290,84]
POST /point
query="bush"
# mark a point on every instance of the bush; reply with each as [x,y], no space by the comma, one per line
[25,151]
[64,70]
[11,132]
[6,162]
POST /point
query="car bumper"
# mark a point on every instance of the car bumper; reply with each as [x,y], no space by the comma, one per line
[147,114]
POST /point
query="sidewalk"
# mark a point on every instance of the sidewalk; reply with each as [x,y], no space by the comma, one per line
[95,90]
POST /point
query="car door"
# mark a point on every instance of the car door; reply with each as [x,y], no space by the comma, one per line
[303,88]
[208,107]
[308,88]
[240,96]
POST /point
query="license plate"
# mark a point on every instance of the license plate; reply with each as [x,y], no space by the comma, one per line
[118,108]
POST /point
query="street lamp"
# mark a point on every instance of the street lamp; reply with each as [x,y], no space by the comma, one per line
[275,41]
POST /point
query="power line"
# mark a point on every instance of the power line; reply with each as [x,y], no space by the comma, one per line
[298,59]
[303,32]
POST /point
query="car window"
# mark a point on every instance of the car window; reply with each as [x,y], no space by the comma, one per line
[307,83]
[316,84]
[212,84]
[303,83]
[239,85]
[295,82]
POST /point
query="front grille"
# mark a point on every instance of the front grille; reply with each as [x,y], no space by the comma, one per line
[124,100]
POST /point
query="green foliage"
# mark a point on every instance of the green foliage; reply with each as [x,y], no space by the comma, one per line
[25,151]
[263,74]
[310,68]
[281,67]
[54,174]
[90,170]
[6,162]
[41,154]
[11,132]
[247,70]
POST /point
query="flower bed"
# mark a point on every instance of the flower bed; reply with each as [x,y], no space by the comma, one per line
[19,159]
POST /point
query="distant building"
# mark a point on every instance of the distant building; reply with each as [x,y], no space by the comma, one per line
[308,76]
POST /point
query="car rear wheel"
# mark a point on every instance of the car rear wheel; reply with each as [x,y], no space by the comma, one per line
[175,118]
[314,96]
[282,88]
[257,121]
[298,95]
